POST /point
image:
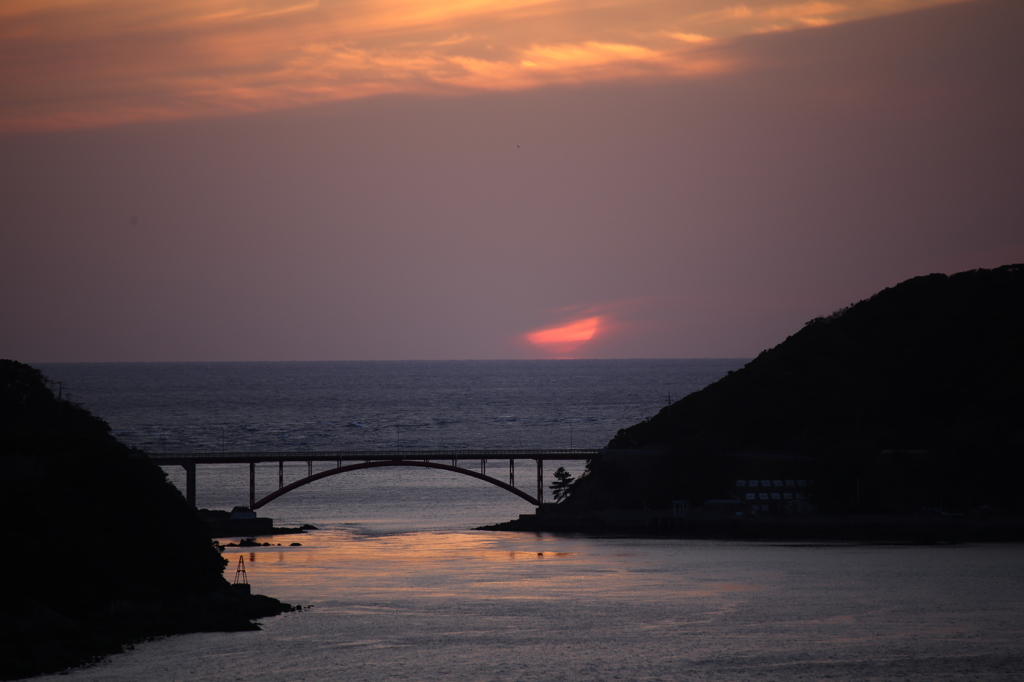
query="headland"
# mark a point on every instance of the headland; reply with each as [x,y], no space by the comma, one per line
[78,505]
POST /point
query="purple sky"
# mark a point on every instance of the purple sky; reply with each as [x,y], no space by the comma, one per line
[686,212]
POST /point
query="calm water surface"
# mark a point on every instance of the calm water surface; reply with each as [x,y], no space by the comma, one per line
[400,588]
[488,606]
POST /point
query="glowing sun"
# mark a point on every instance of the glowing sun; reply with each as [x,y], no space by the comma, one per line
[565,338]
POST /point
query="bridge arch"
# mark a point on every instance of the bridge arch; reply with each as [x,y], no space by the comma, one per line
[392,463]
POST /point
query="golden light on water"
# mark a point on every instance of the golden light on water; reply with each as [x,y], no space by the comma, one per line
[329,562]
[79,63]
[471,564]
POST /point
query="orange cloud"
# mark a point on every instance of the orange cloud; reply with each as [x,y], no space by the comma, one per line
[83,63]
[689,37]
[567,337]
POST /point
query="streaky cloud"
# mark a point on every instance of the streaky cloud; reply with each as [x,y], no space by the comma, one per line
[89,63]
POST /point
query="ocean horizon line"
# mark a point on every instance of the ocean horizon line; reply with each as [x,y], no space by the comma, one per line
[463,360]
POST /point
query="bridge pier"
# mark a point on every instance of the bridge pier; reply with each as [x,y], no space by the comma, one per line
[252,483]
[190,482]
[280,474]
[512,473]
[540,481]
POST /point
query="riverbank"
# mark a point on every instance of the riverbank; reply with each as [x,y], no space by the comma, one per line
[898,528]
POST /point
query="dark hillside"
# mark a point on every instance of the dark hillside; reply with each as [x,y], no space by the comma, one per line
[912,398]
[101,548]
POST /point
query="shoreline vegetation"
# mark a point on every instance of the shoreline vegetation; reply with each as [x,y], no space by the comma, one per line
[897,419]
[76,501]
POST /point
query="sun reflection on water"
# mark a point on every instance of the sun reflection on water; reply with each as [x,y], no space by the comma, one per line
[342,564]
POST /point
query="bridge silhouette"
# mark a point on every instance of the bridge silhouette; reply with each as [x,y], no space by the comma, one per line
[457,461]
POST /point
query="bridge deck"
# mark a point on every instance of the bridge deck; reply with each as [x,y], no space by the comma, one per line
[168,458]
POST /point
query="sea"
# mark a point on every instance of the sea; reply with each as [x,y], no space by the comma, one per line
[396,584]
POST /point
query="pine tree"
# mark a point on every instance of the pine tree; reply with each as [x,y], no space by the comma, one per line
[560,486]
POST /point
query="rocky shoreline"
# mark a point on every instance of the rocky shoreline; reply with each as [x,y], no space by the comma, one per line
[241,521]
[886,528]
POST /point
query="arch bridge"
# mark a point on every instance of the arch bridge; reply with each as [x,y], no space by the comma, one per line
[458,461]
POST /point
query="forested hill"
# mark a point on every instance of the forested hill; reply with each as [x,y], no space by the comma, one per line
[101,550]
[915,395]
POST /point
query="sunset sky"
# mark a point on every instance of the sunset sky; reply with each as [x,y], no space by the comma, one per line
[398,179]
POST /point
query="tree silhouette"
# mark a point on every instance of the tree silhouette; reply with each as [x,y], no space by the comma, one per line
[560,486]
